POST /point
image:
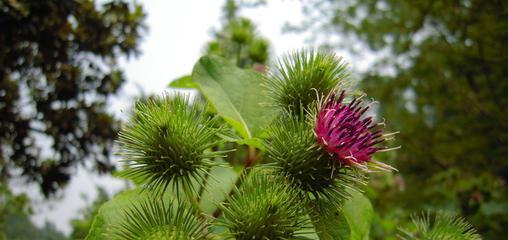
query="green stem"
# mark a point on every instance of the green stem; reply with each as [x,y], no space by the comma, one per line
[251,157]
[192,199]
[195,205]
[203,184]
[249,162]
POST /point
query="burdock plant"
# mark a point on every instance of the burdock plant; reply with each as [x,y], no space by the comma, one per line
[155,219]
[168,143]
[440,225]
[350,138]
[278,156]
[296,154]
[302,75]
[264,208]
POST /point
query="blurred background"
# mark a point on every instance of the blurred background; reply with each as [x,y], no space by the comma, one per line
[70,71]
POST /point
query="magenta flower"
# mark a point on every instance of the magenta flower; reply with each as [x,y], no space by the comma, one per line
[343,132]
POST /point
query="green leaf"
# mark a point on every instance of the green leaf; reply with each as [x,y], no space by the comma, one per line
[219,184]
[111,213]
[329,223]
[236,94]
[184,82]
[359,214]
[121,174]
[352,222]
[253,142]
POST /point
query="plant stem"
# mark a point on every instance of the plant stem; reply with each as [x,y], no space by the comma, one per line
[192,199]
[195,205]
[249,162]
[203,184]
[205,179]
[251,157]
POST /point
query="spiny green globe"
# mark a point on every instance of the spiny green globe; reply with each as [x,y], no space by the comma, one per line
[263,208]
[157,220]
[168,141]
[437,226]
[303,76]
[296,154]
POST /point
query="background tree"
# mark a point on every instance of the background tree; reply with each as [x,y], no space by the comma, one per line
[238,39]
[19,227]
[57,71]
[442,78]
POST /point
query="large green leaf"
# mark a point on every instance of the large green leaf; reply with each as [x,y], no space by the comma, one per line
[237,94]
[359,214]
[352,222]
[111,213]
[329,223]
[219,184]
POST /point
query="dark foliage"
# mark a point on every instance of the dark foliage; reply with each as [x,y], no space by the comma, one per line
[57,71]
[442,78]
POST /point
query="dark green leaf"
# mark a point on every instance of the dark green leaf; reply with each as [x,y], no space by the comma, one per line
[219,184]
[352,222]
[236,94]
[359,214]
[111,213]
[330,223]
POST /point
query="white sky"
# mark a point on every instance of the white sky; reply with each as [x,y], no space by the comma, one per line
[177,33]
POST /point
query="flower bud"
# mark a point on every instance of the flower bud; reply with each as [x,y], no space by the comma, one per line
[301,77]
[441,225]
[297,155]
[263,208]
[168,141]
[154,220]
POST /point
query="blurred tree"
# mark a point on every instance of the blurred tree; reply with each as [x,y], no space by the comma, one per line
[238,39]
[19,227]
[57,71]
[12,204]
[442,79]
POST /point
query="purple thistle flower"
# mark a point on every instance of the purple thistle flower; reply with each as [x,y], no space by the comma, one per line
[343,132]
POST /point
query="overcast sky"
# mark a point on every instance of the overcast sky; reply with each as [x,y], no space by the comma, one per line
[177,33]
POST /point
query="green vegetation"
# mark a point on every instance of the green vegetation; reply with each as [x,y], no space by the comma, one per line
[295,187]
[18,226]
[442,79]
[265,153]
